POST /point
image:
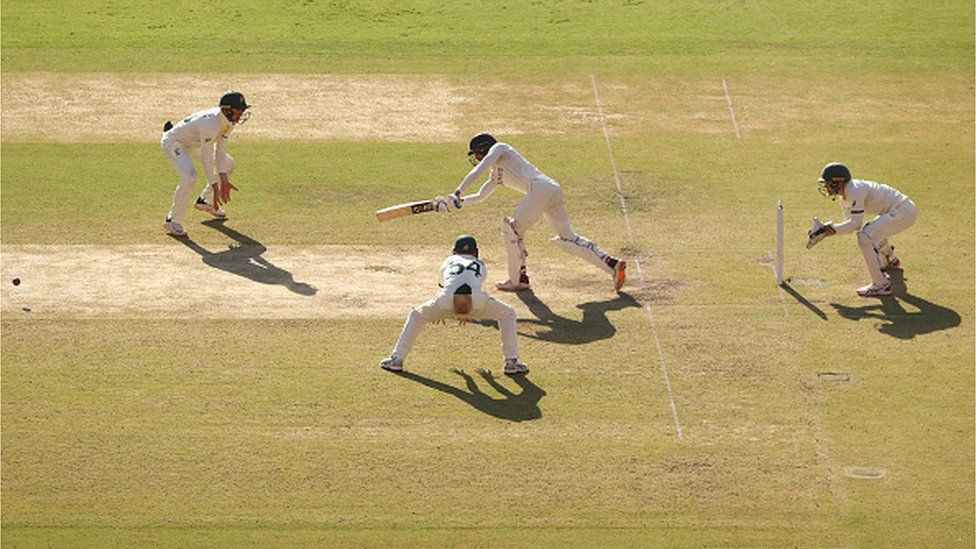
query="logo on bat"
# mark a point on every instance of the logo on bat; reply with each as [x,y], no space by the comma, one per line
[423,207]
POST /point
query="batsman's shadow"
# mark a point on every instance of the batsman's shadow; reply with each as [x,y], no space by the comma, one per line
[523,406]
[244,259]
[594,326]
[896,321]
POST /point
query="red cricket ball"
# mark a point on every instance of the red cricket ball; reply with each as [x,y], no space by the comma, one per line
[16,282]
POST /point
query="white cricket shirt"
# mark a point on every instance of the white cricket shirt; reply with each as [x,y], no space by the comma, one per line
[866,197]
[458,270]
[507,168]
[207,130]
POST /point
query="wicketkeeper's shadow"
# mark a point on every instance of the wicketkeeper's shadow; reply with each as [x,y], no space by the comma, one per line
[897,321]
[594,325]
[523,406]
[244,259]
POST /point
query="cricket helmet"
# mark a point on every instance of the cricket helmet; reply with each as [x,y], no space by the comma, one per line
[466,244]
[480,145]
[233,105]
[835,175]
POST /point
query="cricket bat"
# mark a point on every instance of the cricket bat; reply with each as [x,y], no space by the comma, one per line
[405,209]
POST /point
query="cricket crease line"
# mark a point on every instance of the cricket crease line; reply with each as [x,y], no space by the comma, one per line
[728,99]
[640,272]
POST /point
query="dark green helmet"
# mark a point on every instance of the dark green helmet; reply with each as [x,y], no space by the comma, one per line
[466,245]
[835,175]
[234,107]
[234,100]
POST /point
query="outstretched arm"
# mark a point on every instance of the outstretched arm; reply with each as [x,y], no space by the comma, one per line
[851,224]
[484,192]
[481,169]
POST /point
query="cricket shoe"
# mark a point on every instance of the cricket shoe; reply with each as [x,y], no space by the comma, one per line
[619,275]
[202,205]
[174,229]
[392,364]
[508,286]
[874,290]
[514,368]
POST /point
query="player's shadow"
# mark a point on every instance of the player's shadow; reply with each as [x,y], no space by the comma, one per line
[594,325]
[244,259]
[897,322]
[522,406]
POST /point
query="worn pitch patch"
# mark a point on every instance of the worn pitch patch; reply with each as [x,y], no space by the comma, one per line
[186,279]
[72,107]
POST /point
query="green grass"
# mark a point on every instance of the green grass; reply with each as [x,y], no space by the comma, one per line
[284,432]
[649,37]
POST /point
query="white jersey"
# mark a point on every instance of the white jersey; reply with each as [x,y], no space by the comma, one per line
[458,270]
[862,198]
[507,168]
[207,131]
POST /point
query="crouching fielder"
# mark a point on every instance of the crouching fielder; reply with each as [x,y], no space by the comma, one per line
[461,298]
[202,135]
[895,212]
[543,196]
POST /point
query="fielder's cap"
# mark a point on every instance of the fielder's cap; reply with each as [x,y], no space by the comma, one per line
[234,100]
[466,244]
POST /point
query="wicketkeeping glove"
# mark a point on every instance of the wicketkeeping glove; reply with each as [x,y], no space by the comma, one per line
[819,232]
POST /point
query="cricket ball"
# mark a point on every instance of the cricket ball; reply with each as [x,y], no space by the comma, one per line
[16,282]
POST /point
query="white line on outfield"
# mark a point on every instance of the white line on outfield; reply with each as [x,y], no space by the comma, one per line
[640,273]
[728,99]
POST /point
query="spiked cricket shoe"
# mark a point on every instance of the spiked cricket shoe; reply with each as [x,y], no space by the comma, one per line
[509,286]
[202,205]
[619,275]
[514,368]
[874,290]
[392,364]
[174,229]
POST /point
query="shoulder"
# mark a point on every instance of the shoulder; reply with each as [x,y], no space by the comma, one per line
[858,187]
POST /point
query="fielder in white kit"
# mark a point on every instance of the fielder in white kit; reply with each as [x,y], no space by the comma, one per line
[895,212]
[461,298]
[543,196]
[202,135]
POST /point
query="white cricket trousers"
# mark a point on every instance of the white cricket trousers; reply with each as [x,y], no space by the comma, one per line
[484,307]
[182,162]
[873,237]
[546,198]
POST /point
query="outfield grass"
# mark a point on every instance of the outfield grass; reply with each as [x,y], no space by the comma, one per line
[187,431]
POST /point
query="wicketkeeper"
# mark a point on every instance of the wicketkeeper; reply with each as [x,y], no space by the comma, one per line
[202,135]
[461,298]
[895,212]
[543,196]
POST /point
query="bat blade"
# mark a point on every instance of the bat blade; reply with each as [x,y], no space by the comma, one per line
[405,209]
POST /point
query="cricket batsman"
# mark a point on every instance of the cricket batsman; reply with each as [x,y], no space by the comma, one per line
[894,213]
[202,135]
[505,167]
[462,298]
